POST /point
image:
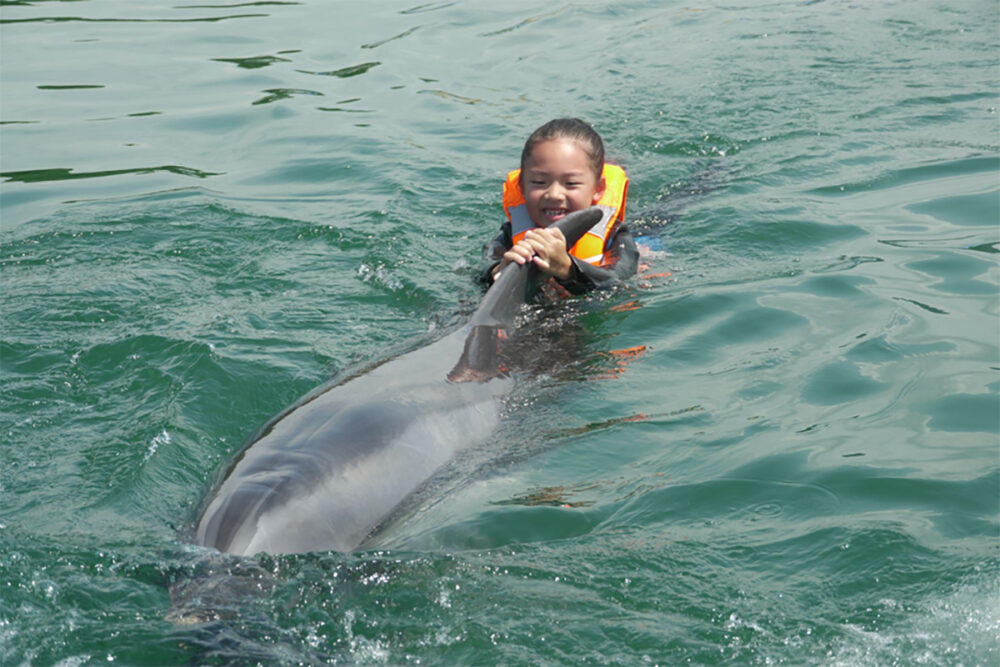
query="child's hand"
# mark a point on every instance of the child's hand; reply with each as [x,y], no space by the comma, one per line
[546,248]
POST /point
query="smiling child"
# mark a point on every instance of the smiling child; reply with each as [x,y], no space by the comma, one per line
[563,170]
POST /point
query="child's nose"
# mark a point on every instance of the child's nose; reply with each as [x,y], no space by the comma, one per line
[555,192]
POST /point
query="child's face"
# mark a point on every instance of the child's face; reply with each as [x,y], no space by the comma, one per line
[557,179]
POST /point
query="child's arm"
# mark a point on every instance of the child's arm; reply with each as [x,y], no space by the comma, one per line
[621,261]
[546,248]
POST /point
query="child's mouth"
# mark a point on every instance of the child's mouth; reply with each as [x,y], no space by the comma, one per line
[554,213]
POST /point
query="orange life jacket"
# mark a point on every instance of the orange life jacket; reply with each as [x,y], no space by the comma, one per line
[591,246]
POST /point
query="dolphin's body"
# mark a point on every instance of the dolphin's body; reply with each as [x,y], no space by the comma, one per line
[323,474]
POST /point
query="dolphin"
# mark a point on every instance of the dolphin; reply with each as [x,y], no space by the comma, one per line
[324,473]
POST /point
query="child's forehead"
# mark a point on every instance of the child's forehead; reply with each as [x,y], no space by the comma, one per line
[559,149]
[560,143]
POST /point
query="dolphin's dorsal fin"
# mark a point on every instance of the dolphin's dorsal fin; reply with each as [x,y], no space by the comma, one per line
[517,284]
[495,315]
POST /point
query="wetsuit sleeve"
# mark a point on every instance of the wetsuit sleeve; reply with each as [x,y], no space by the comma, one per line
[620,262]
[494,251]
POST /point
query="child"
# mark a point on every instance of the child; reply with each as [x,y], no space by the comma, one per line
[562,170]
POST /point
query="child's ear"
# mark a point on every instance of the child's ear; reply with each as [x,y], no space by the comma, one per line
[599,190]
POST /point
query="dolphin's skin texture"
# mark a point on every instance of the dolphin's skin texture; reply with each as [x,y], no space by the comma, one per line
[323,474]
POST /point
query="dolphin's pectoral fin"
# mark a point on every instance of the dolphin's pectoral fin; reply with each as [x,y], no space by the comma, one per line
[481,358]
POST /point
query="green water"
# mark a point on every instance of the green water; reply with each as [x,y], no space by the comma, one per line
[210,209]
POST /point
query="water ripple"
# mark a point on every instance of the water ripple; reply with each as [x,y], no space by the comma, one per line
[253,62]
[936,171]
[57,174]
[346,72]
[81,19]
[791,458]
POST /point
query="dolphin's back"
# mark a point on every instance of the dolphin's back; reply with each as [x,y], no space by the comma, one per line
[326,472]
[280,476]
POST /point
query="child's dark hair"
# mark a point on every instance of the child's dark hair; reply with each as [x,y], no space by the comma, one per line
[569,128]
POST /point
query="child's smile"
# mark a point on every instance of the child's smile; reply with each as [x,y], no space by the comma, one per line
[558,179]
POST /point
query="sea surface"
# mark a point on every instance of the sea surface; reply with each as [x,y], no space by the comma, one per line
[777,445]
